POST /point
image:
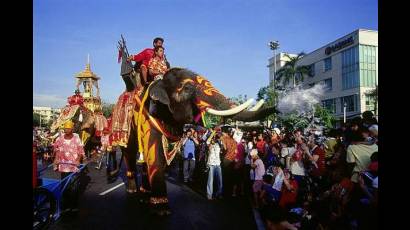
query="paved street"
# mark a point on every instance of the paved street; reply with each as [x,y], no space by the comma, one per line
[117,210]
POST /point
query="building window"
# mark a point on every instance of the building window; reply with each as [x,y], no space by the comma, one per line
[330,105]
[368,76]
[350,68]
[328,63]
[351,103]
[311,70]
[328,84]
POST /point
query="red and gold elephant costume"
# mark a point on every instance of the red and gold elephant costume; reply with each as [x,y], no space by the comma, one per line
[181,97]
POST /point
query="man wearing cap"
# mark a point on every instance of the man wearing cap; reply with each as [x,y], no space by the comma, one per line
[69,151]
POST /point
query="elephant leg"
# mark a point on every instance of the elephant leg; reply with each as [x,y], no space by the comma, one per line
[130,158]
[156,173]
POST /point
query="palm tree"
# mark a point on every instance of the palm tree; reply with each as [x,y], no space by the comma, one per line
[292,71]
[374,94]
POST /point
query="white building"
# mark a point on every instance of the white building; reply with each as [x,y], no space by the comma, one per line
[46,113]
[349,69]
[281,60]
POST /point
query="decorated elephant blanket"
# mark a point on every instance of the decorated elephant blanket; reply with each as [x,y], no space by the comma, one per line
[122,116]
[66,114]
[100,124]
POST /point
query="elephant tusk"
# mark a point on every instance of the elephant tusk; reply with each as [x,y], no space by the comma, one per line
[257,106]
[231,111]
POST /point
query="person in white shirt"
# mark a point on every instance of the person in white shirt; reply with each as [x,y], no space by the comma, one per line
[214,164]
[248,173]
[259,169]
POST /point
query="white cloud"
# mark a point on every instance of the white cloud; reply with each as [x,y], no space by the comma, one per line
[46,100]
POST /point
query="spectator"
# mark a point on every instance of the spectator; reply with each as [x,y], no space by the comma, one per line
[368,119]
[317,157]
[261,146]
[214,164]
[259,170]
[296,160]
[289,191]
[230,147]
[287,150]
[278,182]
[189,143]
[374,132]
[267,194]
[276,219]
[358,155]
[247,167]
[275,138]
[238,182]
[330,144]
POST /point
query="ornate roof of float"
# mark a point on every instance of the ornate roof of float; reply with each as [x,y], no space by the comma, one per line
[87,73]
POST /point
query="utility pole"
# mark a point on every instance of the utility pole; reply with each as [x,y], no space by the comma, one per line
[274,45]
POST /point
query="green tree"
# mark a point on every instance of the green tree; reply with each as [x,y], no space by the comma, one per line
[291,71]
[270,96]
[374,95]
[107,109]
[36,119]
[326,117]
[293,121]
[211,120]
[239,99]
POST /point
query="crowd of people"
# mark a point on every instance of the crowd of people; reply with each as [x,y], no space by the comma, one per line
[302,179]
[299,179]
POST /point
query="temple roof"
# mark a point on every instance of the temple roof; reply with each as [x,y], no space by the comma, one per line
[87,73]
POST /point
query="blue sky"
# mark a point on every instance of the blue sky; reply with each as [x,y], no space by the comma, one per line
[225,41]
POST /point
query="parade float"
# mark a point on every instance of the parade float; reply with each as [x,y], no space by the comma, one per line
[84,109]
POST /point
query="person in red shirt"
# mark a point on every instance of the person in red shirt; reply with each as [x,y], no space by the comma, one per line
[260,145]
[289,190]
[318,157]
[144,57]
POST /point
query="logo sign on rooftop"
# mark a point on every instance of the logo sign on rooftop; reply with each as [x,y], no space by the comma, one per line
[340,45]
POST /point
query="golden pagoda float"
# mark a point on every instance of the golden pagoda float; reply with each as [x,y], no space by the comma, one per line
[84,108]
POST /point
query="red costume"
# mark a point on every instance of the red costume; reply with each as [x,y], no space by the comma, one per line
[76,99]
[144,56]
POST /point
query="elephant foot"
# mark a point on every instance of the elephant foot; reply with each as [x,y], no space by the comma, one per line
[159,206]
[131,186]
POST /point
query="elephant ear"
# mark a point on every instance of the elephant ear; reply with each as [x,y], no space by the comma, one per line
[158,93]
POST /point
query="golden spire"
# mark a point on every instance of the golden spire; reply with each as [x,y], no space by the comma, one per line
[87,73]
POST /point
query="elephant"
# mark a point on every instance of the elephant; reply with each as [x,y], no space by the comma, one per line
[161,110]
[84,124]
[179,98]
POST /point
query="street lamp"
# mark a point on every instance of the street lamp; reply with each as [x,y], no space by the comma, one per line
[344,112]
[274,45]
